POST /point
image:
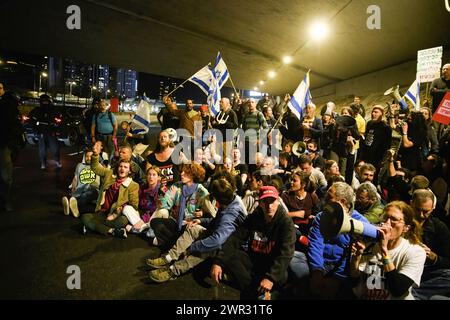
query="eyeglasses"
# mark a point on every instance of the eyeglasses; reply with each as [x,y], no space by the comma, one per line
[392,219]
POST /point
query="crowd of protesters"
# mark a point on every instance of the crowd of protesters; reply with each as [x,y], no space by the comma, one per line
[251,206]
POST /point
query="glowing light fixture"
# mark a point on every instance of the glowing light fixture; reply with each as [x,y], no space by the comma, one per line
[318,31]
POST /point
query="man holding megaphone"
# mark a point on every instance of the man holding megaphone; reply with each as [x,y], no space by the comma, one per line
[329,249]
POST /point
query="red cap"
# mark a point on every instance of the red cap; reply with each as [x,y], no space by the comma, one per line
[204,107]
[268,192]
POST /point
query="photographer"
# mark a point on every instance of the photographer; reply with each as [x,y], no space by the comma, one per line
[390,268]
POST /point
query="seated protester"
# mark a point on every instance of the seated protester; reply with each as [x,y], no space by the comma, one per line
[257,162]
[240,168]
[201,159]
[332,169]
[117,191]
[203,237]
[287,147]
[317,160]
[182,203]
[368,203]
[391,267]
[328,258]
[367,173]
[268,236]
[436,242]
[228,166]
[302,205]
[84,188]
[149,194]
[250,199]
[103,157]
[126,153]
[284,167]
[315,175]
[122,132]
[162,158]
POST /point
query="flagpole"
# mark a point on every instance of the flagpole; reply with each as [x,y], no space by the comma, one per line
[235,91]
[182,84]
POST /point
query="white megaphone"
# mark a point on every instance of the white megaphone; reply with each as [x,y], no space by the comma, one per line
[395,93]
[334,221]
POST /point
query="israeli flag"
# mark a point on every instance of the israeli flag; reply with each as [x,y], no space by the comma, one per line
[413,95]
[141,120]
[203,79]
[214,97]
[221,71]
[301,98]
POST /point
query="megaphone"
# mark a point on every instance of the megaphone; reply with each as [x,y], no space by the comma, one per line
[394,93]
[345,121]
[172,134]
[334,221]
[299,148]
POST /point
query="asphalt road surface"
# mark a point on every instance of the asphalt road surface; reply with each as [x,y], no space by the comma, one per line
[40,243]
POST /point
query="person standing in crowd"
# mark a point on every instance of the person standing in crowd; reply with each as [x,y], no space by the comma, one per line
[253,121]
[436,242]
[391,267]
[166,117]
[104,128]
[12,137]
[358,108]
[187,118]
[433,144]
[44,118]
[377,139]
[88,114]
[117,191]
[262,267]
[440,86]
[226,121]
[312,125]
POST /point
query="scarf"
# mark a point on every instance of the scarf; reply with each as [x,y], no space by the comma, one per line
[116,185]
[186,193]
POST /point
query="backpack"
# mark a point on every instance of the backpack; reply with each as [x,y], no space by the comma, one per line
[96,120]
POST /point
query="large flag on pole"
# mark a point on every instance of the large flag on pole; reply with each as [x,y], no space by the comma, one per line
[301,97]
[214,97]
[221,71]
[141,120]
[203,79]
[413,95]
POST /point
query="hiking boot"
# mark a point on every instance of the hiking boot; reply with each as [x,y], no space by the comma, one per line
[73,205]
[120,233]
[65,204]
[158,263]
[161,275]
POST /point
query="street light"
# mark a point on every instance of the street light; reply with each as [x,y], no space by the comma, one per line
[41,75]
[92,89]
[106,93]
[72,83]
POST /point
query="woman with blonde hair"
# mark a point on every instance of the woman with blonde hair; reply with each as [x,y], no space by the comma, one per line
[389,268]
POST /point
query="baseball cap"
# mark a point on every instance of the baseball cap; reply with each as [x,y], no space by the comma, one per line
[203,107]
[268,192]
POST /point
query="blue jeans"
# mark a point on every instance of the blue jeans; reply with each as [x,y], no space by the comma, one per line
[299,265]
[436,283]
[50,140]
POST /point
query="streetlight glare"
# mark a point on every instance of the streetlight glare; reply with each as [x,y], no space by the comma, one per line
[318,30]
[261,82]
[272,74]
[287,59]
[44,74]
[255,88]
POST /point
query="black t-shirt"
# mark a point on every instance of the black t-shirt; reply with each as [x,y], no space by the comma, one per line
[169,171]
[377,141]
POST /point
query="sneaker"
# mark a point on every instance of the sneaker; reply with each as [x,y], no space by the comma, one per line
[161,275]
[158,263]
[73,205]
[65,204]
[144,227]
[120,233]
[150,233]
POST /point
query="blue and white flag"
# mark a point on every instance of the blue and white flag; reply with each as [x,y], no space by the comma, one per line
[214,97]
[141,120]
[203,79]
[413,95]
[221,71]
[300,98]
